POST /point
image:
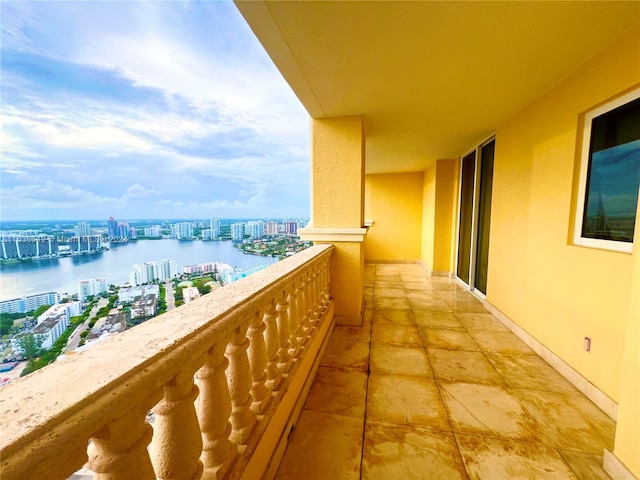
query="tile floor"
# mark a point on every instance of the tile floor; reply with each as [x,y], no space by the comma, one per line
[432,386]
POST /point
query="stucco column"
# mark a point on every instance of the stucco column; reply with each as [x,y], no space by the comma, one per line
[337,209]
[625,459]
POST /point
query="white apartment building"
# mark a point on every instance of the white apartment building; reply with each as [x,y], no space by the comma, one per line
[153,231]
[255,229]
[91,287]
[126,295]
[214,226]
[82,229]
[182,230]
[29,303]
[237,231]
[70,309]
[271,228]
[150,272]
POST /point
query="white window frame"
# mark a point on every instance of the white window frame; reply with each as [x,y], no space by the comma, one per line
[578,239]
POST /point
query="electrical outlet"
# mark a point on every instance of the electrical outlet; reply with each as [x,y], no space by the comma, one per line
[587,344]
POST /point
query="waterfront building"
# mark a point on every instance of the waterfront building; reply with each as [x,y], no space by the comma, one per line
[29,302]
[255,229]
[133,233]
[82,229]
[206,234]
[214,226]
[153,231]
[271,228]
[123,230]
[112,228]
[20,246]
[91,287]
[126,295]
[88,244]
[182,230]
[237,231]
[208,267]
[189,294]
[153,271]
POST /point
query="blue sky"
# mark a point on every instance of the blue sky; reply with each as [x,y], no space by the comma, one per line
[150,109]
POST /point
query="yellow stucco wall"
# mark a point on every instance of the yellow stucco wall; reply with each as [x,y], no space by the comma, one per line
[627,445]
[337,175]
[394,202]
[437,215]
[428,216]
[558,292]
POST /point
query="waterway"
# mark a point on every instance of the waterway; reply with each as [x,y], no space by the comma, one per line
[63,274]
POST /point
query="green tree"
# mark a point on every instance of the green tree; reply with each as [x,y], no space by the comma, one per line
[5,326]
[31,345]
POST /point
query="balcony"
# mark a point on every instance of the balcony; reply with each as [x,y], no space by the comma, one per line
[434,386]
[431,386]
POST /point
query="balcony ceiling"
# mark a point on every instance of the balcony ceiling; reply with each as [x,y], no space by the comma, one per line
[432,79]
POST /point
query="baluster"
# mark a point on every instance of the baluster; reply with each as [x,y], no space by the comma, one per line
[177,441]
[282,320]
[119,450]
[313,300]
[294,320]
[260,392]
[273,343]
[327,282]
[324,285]
[239,378]
[303,308]
[214,408]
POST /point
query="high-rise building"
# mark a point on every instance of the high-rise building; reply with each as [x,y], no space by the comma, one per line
[133,233]
[123,230]
[271,228]
[29,303]
[112,227]
[182,230]
[94,286]
[153,231]
[255,229]
[82,229]
[237,231]
[214,226]
[291,228]
[153,271]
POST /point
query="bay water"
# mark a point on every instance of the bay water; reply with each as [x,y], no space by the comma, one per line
[63,274]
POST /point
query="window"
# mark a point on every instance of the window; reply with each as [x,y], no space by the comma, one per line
[610,175]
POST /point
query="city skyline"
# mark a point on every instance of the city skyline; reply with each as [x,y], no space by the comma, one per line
[149,110]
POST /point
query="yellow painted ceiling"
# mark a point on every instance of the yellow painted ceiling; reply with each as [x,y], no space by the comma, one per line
[432,79]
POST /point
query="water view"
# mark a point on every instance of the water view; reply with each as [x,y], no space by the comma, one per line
[114,265]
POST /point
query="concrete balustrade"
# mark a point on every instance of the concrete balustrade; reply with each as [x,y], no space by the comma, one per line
[224,378]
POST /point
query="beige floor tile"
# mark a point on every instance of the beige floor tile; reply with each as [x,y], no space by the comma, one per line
[569,422]
[382,268]
[394,316]
[409,453]
[395,360]
[410,278]
[405,401]
[491,459]
[463,366]
[467,306]
[530,372]
[387,277]
[505,343]
[385,292]
[456,294]
[323,446]
[396,334]
[356,334]
[341,392]
[391,303]
[437,319]
[481,321]
[488,410]
[346,354]
[412,269]
[584,465]
[429,305]
[417,286]
[383,284]
[447,339]
[428,295]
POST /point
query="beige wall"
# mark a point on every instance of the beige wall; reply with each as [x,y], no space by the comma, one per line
[394,202]
[558,292]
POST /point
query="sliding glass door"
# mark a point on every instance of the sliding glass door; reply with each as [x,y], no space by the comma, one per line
[475,216]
